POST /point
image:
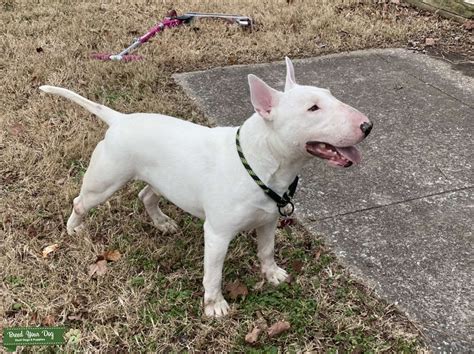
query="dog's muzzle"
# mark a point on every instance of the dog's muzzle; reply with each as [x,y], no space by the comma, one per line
[366,127]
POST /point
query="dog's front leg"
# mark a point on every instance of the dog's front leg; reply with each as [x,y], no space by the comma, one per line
[215,250]
[266,245]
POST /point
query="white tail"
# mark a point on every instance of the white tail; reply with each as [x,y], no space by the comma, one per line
[107,114]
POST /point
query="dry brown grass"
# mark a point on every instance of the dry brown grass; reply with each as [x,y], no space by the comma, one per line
[150,299]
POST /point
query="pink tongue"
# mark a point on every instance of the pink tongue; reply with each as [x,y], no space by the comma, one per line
[350,153]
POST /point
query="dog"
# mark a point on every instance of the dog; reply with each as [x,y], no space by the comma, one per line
[200,170]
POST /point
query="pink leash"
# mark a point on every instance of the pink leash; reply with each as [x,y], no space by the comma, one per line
[171,20]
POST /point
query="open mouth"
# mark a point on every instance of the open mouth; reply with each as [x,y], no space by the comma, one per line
[337,156]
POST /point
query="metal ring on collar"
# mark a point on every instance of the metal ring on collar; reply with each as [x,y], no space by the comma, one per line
[282,213]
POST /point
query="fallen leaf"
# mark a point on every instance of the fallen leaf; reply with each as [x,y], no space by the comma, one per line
[49,249]
[236,289]
[99,268]
[317,254]
[430,41]
[16,129]
[297,265]
[92,269]
[278,327]
[48,321]
[397,2]
[252,336]
[61,181]
[469,25]
[112,256]
[74,317]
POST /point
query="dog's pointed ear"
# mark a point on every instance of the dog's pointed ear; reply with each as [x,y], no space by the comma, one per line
[290,75]
[263,97]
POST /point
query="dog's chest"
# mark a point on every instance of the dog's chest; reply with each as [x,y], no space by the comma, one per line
[256,216]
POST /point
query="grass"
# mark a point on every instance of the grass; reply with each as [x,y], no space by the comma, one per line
[150,300]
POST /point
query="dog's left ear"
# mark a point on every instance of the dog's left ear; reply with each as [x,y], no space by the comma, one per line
[263,97]
[290,75]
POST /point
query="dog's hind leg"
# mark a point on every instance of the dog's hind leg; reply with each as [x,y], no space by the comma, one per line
[161,221]
[104,176]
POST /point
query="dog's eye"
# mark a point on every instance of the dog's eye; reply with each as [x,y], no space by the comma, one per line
[313,108]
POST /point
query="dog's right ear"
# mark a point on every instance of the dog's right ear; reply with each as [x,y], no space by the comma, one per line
[290,75]
[263,97]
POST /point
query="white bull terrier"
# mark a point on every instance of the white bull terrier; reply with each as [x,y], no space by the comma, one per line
[199,168]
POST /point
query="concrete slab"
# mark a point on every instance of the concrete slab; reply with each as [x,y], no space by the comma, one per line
[417,254]
[401,220]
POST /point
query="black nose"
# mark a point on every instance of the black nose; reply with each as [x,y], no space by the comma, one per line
[366,127]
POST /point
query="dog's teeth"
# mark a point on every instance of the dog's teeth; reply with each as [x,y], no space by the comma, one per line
[322,146]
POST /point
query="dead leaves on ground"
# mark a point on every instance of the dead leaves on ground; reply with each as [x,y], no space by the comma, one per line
[99,268]
[16,129]
[48,321]
[112,256]
[469,25]
[252,336]
[236,289]
[49,249]
[278,328]
[297,265]
[274,330]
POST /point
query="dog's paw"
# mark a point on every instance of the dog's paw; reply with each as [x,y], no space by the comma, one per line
[216,308]
[167,227]
[275,275]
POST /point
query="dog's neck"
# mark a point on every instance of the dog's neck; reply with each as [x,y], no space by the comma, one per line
[275,163]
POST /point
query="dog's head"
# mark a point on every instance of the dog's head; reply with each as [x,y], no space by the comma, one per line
[310,120]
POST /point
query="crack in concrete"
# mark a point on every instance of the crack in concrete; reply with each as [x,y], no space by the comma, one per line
[425,82]
[390,204]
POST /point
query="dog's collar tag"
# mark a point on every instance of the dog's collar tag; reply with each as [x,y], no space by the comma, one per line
[284,204]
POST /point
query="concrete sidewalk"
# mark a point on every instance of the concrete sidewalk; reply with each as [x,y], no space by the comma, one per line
[402,219]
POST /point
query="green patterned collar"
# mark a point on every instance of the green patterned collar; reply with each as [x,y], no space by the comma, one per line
[282,201]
